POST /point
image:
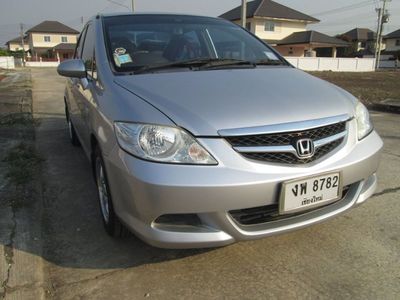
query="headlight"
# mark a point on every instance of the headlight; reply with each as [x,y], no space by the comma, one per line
[364,125]
[161,144]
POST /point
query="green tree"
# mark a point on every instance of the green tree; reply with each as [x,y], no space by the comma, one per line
[4,52]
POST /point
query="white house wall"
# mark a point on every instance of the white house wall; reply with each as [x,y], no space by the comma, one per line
[282,28]
[36,40]
[391,45]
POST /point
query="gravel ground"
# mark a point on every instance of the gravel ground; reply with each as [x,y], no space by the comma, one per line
[371,88]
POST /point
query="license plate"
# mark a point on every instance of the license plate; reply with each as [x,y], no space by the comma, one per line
[304,194]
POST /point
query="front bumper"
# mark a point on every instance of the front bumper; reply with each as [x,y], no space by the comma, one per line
[143,191]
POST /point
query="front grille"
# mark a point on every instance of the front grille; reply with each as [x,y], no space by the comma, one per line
[288,139]
[290,158]
[280,139]
[270,213]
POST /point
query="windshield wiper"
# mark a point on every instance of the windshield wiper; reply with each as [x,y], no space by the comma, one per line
[218,63]
[202,63]
[207,63]
[268,62]
[176,64]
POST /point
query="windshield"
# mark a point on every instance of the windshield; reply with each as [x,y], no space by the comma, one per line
[138,42]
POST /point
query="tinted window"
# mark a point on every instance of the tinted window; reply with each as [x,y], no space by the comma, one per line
[81,39]
[88,50]
[138,41]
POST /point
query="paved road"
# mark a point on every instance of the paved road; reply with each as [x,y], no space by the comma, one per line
[355,256]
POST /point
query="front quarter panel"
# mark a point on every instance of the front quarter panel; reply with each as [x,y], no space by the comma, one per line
[117,104]
[113,103]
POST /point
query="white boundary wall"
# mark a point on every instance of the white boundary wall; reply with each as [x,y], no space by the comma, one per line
[42,64]
[333,64]
[7,62]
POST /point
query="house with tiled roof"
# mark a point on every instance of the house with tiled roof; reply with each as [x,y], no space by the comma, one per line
[283,28]
[392,41]
[362,40]
[16,44]
[47,36]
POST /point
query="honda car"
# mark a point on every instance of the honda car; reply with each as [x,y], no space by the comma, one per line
[201,135]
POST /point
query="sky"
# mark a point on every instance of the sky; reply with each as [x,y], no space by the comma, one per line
[336,16]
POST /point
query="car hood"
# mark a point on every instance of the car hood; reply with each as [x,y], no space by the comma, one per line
[204,102]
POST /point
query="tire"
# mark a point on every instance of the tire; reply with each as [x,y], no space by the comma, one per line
[112,224]
[71,129]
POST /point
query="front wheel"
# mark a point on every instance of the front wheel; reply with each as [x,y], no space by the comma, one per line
[111,222]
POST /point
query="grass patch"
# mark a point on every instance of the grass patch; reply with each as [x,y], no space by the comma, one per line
[370,87]
[18,119]
[22,162]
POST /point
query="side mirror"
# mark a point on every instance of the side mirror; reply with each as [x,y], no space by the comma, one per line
[74,68]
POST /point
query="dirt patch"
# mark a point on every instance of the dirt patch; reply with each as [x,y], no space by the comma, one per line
[370,88]
[2,77]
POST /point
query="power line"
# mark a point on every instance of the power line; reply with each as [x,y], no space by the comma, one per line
[344,8]
[365,16]
[119,4]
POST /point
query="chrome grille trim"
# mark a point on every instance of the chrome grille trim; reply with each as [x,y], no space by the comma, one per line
[285,127]
[330,139]
[289,148]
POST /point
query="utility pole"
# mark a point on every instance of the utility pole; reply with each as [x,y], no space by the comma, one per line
[244,13]
[383,17]
[133,5]
[21,26]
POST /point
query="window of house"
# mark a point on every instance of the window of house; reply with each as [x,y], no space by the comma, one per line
[47,39]
[64,39]
[248,26]
[269,26]
[397,42]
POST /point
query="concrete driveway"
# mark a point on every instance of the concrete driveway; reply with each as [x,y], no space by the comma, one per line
[356,256]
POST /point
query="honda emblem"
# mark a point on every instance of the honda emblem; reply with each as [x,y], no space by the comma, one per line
[305,148]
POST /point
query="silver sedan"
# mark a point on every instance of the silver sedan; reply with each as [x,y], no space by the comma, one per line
[201,135]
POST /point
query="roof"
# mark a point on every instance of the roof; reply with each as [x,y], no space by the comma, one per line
[393,35]
[267,9]
[271,42]
[361,34]
[312,37]
[52,27]
[65,46]
[17,40]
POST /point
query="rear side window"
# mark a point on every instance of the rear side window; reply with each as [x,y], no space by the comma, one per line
[88,51]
